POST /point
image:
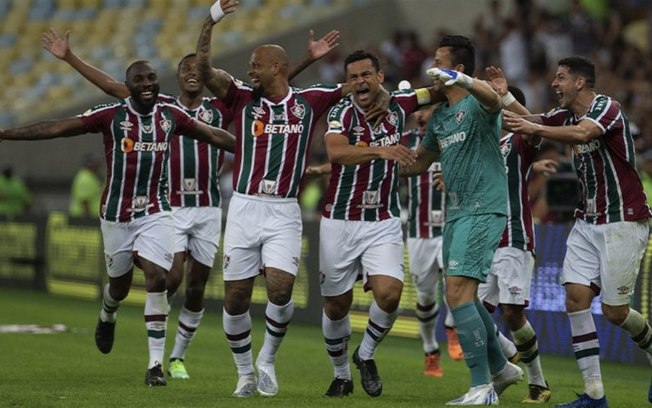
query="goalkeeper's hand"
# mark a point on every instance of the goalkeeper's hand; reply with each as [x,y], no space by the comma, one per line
[221,8]
[451,77]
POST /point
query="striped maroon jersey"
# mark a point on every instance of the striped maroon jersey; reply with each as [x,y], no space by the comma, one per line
[611,188]
[273,137]
[136,148]
[194,166]
[367,191]
[518,156]
[425,203]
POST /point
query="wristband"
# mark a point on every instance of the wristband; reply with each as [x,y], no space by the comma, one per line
[216,11]
[507,99]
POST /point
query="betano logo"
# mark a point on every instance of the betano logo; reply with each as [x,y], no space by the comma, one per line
[127,145]
[258,128]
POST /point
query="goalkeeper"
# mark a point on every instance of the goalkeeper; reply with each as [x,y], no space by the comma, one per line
[465,132]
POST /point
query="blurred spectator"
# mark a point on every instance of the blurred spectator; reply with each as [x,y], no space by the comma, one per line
[86,190]
[15,197]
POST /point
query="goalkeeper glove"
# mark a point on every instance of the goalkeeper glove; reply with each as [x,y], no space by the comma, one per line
[216,11]
[451,77]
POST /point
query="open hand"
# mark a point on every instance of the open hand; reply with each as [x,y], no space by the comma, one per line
[317,49]
[57,46]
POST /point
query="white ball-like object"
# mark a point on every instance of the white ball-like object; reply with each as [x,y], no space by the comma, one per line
[403,85]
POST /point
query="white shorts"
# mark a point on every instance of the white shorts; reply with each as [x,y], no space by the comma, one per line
[150,237]
[606,256]
[425,258]
[198,230]
[351,248]
[510,278]
[261,232]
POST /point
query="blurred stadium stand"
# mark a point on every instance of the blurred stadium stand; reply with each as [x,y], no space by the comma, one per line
[111,33]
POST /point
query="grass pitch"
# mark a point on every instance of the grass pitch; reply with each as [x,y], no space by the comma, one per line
[66,370]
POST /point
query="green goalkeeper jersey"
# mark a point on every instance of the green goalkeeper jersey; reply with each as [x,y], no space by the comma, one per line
[474,174]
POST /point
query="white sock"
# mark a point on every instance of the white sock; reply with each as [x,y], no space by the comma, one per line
[337,334]
[587,351]
[188,323]
[156,319]
[277,320]
[238,335]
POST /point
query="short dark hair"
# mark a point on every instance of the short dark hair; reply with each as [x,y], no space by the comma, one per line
[580,66]
[463,51]
[360,55]
[182,60]
[517,93]
[134,64]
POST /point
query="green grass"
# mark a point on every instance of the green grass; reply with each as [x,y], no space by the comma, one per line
[66,370]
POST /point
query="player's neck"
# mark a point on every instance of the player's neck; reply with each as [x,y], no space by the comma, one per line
[455,94]
[582,103]
[191,100]
[276,92]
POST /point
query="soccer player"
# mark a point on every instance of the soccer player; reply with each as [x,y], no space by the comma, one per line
[425,222]
[273,126]
[135,215]
[610,234]
[360,231]
[465,130]
[194,170]
[508,283]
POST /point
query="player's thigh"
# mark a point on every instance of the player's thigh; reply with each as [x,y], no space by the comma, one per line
[281,240]
[423,264]
[205,234]
[118,239]
[339,255]
[582,259]
[182,224]
[242,239]
[513,269]
[470,243]
[155,238]
[624,244]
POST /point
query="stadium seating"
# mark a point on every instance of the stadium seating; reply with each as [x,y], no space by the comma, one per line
[110,34]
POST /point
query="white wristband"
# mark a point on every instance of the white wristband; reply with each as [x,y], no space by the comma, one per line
[216,11]
[507,99]
[465,81]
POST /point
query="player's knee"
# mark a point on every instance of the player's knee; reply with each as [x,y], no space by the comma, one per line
[195,291]
[236,302]
[388,302]
[615,314]
[173,281]
[513,316]
[280,296]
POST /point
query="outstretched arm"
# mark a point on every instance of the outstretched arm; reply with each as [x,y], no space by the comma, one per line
[212,135]
[481,90]
[60,48]
[316,50]
[49,129]
[341,151]
[583,132]
[216,80]
[423,161]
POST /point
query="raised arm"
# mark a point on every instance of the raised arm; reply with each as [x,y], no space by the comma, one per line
[49,129]
[481,90]
[316,50]
[498,82]
[216,80]
[212,135]
[60,48]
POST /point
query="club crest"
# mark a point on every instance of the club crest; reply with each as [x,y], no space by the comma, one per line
[459,116]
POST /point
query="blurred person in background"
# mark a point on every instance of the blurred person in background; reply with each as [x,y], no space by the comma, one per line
[86,190]
[15,197]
